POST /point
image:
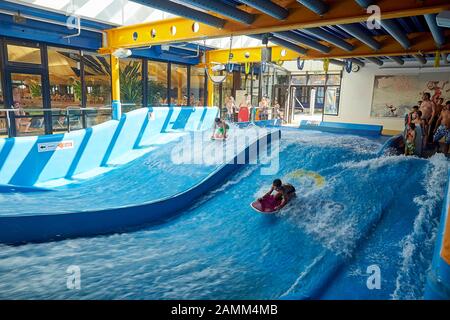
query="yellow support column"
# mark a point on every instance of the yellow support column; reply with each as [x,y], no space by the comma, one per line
[115,90]
[210,102]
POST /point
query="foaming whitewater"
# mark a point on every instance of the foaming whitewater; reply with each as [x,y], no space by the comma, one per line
[348,198]
[417,246]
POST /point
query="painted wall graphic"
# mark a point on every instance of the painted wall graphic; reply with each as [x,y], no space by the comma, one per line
[395,95]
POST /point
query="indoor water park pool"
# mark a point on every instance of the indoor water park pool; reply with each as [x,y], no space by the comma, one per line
[354,208]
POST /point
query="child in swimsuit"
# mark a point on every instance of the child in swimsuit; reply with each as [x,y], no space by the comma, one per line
[285,192]
[220,129]
[410,146]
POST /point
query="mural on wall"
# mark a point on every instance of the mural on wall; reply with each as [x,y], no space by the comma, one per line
[395,95]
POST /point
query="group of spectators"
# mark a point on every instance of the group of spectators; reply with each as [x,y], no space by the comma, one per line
[427,124]
[263,111]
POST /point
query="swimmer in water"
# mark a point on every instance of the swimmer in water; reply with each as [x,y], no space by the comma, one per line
[285,192]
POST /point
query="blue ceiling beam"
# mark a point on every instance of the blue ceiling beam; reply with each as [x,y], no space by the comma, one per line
[316,6]
[436,31]
[396,32]
[328,37]
[296,38]
[224,10]
[48,33]
[267,7]
[360,34]
[182,11]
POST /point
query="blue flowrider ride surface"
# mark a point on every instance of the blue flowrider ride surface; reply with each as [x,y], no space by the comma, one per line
[318,247]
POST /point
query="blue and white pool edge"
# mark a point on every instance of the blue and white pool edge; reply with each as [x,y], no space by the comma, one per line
[16,230]
[28,161]
[340,127]
[438,278]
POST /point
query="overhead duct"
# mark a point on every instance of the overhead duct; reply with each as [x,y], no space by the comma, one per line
[328,37]
[390,26]
[443,19]
[182,11]
[295,37]
[397,60]
[420,58]
[357,62]
[282,43]
[377,61]
[337,62]
[268,7]
[436,31]
[224,10]
[316,6]
[365,3]
[394,30]
[361,35]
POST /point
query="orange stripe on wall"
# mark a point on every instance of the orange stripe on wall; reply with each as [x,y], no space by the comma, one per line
[445,252]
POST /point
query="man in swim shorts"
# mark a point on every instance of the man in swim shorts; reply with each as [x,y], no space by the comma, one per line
[284,191]
[443,127]
[220,129]
[427,110]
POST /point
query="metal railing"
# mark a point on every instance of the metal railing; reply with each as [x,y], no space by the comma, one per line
[272,113]
[24,113]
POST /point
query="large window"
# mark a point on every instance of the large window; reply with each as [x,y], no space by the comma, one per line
[131,84]
[97,79]
[157,84]
[325,88]
[197,95]
[27,103]
[178,85]
[64,69]
[24,54]
[3,123]
[78,87]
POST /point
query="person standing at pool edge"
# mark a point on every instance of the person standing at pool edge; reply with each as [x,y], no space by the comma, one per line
[427,110]
[443,128]
[285,192]
[410,146]
[220,129]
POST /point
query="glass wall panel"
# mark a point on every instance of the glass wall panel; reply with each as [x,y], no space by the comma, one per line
[157,84]
[130,84]
[97,78]
[24,54]
[298,80]
[197,95]
[3,123]
[332,101]
[334,79]
[27,103]
[65,87]
[316,79]
[178,82]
